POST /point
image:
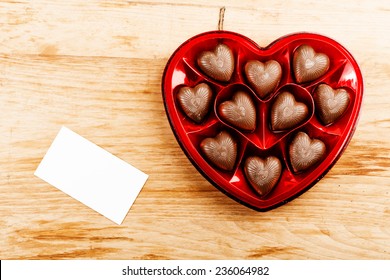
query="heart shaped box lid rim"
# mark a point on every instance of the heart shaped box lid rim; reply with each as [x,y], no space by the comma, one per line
[255,47]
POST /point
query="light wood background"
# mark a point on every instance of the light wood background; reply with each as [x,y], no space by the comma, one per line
[96,67]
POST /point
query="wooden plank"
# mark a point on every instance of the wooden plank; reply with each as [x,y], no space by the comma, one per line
[96,67]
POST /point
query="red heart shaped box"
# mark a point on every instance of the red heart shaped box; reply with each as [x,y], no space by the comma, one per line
[182,70]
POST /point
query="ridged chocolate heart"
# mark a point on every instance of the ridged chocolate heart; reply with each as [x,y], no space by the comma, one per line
[217,64]
[263,174]
[330,103]
[195,101]
[309,65]
[239,112]
[305,152]
[263,77]
[286,112]
[220,150]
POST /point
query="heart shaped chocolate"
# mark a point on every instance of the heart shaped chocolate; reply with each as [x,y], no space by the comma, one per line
[239,112]
[217,64]
[220,150]
[263,77]
[309,65]
[238,158]
[286,112]
[305,152]
[196,101]
[330,103]
[263,174]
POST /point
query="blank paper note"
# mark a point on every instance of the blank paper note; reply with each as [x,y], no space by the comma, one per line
[91,175]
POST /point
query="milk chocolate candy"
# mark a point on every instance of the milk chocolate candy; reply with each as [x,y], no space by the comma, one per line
[286,112]
[195,101]
[220,150]
[330,103]
[309,65]
[263,174]
[217,64]
[240,111]
[263,77]
[305,152]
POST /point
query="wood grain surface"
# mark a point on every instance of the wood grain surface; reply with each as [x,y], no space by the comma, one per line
[96,67]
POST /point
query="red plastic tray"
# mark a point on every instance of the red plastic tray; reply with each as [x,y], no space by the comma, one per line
[182,70]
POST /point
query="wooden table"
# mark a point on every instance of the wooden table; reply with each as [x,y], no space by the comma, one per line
[96,67]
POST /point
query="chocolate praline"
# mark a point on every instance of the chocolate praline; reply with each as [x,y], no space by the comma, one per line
[220,150]
[217,64]
[240,111]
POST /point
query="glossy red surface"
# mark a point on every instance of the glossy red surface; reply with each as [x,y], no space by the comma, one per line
[182,70]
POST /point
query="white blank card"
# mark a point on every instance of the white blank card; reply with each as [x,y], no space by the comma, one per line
[91,175]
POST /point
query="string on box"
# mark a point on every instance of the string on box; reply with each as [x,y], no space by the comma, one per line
[221,18]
